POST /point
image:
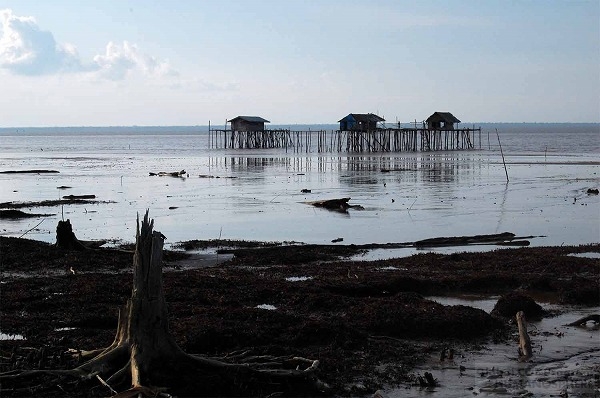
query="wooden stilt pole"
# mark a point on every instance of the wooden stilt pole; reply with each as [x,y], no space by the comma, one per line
[502,153]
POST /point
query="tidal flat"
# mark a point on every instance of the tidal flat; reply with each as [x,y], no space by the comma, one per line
[373,325]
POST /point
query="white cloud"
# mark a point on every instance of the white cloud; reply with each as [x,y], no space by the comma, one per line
[119,61]
[25,49]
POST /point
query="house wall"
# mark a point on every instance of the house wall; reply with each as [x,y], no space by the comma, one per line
[439,125]
[347,123]
[434,125]
[243,125]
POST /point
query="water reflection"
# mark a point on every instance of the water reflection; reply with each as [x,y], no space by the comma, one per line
[426,167]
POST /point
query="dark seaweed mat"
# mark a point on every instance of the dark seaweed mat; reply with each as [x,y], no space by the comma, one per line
[353,316]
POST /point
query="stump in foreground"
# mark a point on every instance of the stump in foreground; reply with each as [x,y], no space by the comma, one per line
[525,351]
[145,359]
[65,237]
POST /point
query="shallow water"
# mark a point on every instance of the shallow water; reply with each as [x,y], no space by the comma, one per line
[258,193]
[566,359]
[6,336]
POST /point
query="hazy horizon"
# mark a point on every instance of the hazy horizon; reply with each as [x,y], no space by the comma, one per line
[280,125]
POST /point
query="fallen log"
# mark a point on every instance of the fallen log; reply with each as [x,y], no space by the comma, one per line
[79,197]
[35,171]
[49,203]
[501,238]
[582,321]
[169,174]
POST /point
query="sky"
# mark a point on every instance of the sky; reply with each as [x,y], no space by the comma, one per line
[188,62]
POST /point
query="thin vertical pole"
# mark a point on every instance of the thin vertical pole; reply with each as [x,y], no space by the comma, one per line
[502,153]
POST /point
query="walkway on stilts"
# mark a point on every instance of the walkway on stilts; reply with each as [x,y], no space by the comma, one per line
[379,140]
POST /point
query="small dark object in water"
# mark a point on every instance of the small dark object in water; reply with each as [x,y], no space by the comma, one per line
[305,190]
[340,205]
[36,171]
[169,174]
[337,240]
[74,197]
[593,191]
[173,207]
[63,187]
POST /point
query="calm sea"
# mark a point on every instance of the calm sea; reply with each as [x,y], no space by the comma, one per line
[257,194]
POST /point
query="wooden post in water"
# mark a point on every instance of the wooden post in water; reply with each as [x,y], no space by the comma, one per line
[502,153]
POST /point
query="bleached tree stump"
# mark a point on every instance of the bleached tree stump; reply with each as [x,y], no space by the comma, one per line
[145,360]
[525,351]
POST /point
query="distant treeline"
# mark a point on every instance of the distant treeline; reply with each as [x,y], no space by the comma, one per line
[527,128]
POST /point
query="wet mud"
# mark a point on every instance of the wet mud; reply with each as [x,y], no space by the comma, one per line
[368,322]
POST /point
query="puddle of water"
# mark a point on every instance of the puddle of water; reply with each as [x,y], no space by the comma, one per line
[565,361]
[383,254]
[586,255]
[391,268]
[8,336]
[268,307]
[200,259]
[298,278]
[485,303]
[387,254]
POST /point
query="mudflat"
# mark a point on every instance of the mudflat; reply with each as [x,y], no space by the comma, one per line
[353,316]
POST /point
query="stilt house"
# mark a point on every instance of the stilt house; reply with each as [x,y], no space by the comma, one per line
[360,122]
[248,123]
[441,121]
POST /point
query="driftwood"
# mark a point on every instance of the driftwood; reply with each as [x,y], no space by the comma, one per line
[582,321]
[504,238]
[29,172]
[340,205]
[49,203]
[525,351]
[169,174]
[78,197]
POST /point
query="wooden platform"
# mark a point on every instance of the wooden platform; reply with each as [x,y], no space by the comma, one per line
[379,140]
